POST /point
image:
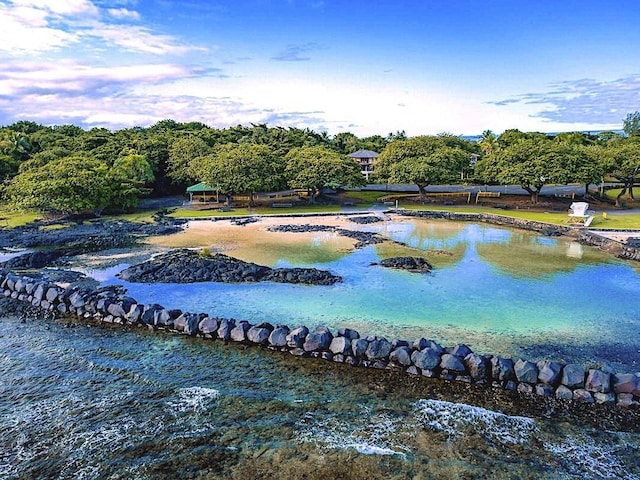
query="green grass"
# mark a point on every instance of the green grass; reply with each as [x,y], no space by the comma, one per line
[629,202]
[14,218]
[142,216]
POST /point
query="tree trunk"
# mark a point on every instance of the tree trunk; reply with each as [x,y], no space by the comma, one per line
[312,191]
[422,189]
[533,194]
[586,189]
[622,192]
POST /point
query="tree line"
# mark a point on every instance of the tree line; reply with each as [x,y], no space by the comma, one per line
[66,169]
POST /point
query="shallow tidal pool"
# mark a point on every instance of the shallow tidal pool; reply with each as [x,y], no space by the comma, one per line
[498,290]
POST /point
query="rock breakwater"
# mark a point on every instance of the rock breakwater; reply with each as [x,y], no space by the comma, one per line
[421,357]
[189,266]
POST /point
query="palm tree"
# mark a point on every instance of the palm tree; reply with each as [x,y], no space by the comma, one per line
[488,142]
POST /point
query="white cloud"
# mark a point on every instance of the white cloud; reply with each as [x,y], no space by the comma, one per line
[60,7]
[25,29]
[71,78]
[124,13]
[38,26]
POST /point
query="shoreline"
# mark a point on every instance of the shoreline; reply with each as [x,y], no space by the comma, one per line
[382,382]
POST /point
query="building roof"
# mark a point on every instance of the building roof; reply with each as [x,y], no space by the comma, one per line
[364,154]
[200,187]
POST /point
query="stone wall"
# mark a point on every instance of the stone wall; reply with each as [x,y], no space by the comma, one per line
[421,357]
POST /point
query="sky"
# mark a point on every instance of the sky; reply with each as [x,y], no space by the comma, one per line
[366,67]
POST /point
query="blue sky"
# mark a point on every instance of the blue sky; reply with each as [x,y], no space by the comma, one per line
[374,67]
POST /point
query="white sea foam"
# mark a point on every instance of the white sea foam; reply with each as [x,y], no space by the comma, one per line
[194,399]
[370,434]
[587,457]
[454,419]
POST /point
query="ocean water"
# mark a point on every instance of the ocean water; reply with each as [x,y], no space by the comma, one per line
[500,291]
[88,402]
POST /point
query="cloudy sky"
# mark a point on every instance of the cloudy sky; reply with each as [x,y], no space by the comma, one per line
[368,67]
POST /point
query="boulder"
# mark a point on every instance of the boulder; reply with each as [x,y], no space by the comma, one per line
[162,318]
[340,345]
[525,388]
[318,340]
[461,350]
[116,310]
[239,332]
[573,376]
[422,343]
[549,372]
[625,400]
[625,383]
[598,381]
[295,338]
[564,393]
[134,313]
[148,313]
[502,369]
[526,371]
[582,395]
[378,349]
[608,398]
[359,347]
[224,330]
[451,362]
[260,333]
[278,337]
[544,390]
[193,321]
[426,359]
[347,332]
[38,293]
[401,356]
[478,366]
[208,326]
[76,300]
[52,294]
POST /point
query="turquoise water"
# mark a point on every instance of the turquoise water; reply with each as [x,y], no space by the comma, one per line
[88,402]
[500,291]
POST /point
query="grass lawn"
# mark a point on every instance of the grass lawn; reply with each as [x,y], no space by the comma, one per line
[629,202]
[12,218]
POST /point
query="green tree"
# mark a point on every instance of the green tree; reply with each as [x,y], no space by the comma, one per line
[315,168]
[128,179]
[423,161]
[183,151]
[243,168]
[488,142]
[69,185]
[622,162]
[530,162]
[631,124]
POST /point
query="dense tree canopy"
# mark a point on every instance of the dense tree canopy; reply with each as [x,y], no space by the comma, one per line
[314,168]
[96,168]
[243,168]
[424,160]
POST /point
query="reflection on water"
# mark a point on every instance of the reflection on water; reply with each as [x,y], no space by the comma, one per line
[501,291]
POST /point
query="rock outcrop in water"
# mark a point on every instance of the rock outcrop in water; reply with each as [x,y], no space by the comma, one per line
[424,357]
[411,264]
[189,266]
